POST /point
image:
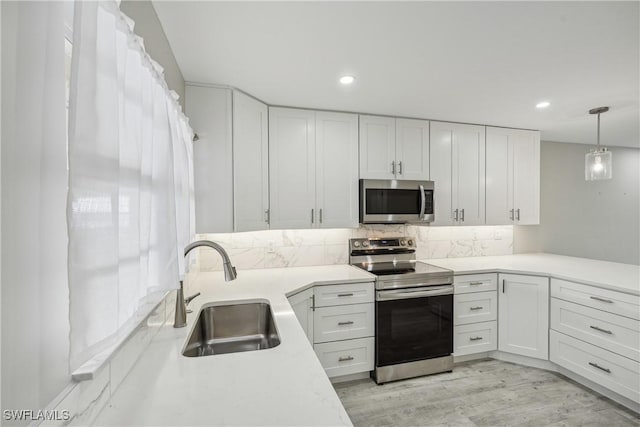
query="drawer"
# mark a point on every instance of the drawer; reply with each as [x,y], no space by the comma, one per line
[475,338]
[346,357]
[352,293]
[343,322]
[475,283]
[615,333]
[475,307]
[603,299]
[610,370]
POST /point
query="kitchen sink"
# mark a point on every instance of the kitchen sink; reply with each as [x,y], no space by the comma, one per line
[232,328]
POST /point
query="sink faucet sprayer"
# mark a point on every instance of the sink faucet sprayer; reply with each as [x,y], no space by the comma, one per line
[230,273]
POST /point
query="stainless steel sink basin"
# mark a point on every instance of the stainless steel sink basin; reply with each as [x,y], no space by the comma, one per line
[232,328]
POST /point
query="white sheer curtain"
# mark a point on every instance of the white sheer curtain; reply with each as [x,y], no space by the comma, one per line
[130,176]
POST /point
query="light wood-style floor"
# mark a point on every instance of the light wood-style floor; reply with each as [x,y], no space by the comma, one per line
[482,393]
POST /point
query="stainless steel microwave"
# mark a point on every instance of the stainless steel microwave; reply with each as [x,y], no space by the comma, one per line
[396,202]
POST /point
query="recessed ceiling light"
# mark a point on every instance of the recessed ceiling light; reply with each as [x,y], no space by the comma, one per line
[543,104]
[347,80]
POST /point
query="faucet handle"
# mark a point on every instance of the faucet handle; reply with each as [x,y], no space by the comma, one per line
[187,300]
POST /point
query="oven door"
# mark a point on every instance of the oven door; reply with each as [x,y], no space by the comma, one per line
[393,201]
[413,324]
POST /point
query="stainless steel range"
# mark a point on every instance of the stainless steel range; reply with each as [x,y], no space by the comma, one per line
[414,308]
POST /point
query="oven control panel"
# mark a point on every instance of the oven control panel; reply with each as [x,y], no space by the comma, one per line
[383,244]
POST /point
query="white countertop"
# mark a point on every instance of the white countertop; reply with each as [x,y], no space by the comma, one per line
[608,275]
[285,385]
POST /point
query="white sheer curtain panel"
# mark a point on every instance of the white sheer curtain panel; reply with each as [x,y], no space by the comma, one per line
[130,172]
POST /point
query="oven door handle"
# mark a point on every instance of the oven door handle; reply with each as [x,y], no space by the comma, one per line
[417,293]
[423,202]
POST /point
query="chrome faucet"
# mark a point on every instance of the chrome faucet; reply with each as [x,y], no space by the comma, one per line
[230,273]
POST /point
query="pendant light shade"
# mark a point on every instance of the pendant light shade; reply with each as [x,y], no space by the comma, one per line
[598,162]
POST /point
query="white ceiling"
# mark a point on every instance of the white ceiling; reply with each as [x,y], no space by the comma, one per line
[476,62]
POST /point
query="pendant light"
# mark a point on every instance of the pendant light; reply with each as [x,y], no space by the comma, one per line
[598,162]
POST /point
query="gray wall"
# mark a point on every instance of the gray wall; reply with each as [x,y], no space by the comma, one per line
[595,219]
[155,41]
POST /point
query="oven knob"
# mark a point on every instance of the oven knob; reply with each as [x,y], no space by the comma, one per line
[356,244]
[365,244]
[402,243]
[410,242]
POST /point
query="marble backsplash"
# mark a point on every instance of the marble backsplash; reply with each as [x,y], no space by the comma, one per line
[295,248]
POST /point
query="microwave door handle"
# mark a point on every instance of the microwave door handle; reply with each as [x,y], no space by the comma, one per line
[422,202]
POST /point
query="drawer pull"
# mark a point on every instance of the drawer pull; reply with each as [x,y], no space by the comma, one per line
[476,308]
[348,322]
[345,359]
[601,299]
[595,365]
[475,283]
[475,338]
[601,330]
[345,295]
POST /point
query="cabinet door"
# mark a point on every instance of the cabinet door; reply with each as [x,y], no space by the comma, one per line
[302,304]
[336,170]
[441,141]
[523,315]
[499,194]
[526,177]
[468,172]
[209,110]
[250,163]
[292,168]
[412,149]
[377,147]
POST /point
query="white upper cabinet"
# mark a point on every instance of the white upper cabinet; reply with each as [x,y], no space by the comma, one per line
[209,111]
[377,147]
[292,145]
[250,163]
[394,148]
[412,149]
[513,176]
[457,165]
[313,169]
[336,170]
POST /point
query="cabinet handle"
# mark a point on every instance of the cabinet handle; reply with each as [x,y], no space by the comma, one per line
[400,167]
[455,215]
[393,167]
[475,283]
[503,280]
[595,365]
[345,295]
[320,216]
[313,302]
[462,215]
[266,216]
[348,322]
[475,338]
[511,217]
[345,359]
[475,308]
[312,215]
[518,214]
[608,301]
[601,330]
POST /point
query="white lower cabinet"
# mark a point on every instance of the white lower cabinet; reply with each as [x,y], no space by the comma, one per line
[475,338]
[475,310]
[346,357]
[610,370]
[523,315]
[302,304]
[344,327]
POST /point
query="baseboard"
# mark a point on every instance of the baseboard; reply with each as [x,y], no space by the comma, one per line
[350,377]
